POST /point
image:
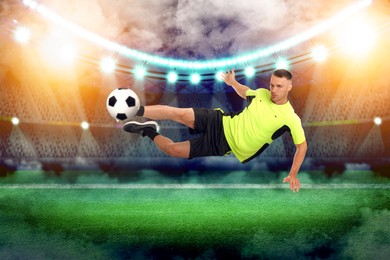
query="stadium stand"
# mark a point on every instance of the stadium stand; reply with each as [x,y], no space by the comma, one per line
[338,122]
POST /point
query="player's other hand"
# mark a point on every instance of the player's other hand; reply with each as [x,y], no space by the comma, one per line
[228,77]
[294,183]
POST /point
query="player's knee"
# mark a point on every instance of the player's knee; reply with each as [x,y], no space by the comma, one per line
[179,114]
[185,116]
[173,113]
[175,150]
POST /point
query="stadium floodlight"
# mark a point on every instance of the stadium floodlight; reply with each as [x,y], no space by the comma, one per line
[172,77]
[195,78]
[319,53]
[58,52]
[15,120]
[378,120]
[84,125]
[108,65]
[22,34]
[30,3]
[67,53]
[218,76]
[357,37]
[139,72]
[249,71]
[281,64]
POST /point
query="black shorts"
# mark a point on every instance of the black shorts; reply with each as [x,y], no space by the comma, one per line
[212,141]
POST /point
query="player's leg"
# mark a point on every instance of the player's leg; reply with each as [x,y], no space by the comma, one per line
[179,149]
[183,116]
[149,129]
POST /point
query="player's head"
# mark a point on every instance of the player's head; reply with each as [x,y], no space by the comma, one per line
[280,85]
[282,73]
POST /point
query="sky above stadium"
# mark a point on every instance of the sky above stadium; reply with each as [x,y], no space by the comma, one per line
[190,29]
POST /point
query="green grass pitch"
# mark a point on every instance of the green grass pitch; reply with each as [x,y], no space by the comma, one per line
[115,223]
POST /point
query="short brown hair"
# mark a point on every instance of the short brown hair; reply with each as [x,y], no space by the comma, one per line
[282,73]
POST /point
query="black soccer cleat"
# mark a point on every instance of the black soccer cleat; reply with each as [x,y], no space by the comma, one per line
[138,127]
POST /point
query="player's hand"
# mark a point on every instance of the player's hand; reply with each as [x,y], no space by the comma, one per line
[294,183]
[229,78]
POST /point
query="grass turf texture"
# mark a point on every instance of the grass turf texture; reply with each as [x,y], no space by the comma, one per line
[188,223]
[266,223]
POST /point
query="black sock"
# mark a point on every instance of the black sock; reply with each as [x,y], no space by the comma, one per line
[141,111]
[150,132]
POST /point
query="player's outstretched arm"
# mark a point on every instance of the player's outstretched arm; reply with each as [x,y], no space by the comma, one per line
[230,79]
[298,160]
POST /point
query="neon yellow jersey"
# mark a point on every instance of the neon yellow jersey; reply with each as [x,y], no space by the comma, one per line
[249,132]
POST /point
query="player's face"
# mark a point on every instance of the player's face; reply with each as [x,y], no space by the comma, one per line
[279,88]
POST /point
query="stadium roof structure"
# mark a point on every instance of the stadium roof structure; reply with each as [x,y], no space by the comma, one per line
[262,59]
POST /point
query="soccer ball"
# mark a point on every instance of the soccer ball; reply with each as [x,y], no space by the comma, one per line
[122,104]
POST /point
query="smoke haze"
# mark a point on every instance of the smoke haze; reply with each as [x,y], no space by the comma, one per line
[190,29]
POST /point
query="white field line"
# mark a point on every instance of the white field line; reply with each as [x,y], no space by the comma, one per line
[192,186]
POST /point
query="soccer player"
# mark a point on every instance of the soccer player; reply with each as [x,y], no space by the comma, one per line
[246,134]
